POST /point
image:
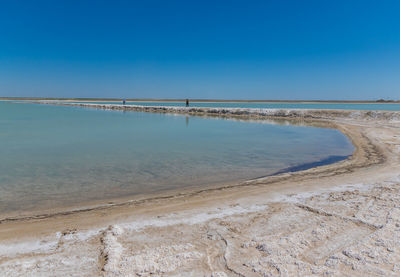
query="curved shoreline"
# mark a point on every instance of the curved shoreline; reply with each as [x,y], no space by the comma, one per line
[365,153]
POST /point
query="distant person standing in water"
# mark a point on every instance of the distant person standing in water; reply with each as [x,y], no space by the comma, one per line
[123,101]
[187,102]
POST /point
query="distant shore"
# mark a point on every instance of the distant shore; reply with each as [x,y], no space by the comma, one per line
[194,100]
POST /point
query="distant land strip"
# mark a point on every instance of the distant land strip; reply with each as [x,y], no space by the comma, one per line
[197,100]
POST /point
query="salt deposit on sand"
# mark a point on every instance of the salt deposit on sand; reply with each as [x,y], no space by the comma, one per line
[336,220]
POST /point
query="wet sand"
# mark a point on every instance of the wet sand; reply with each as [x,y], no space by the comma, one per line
[339,219]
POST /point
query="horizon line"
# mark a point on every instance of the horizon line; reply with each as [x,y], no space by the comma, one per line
[197,100]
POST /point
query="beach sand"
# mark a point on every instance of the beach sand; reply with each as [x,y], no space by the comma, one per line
[341,219]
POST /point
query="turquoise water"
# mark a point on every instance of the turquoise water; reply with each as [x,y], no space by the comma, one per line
[335,106]
[59,156]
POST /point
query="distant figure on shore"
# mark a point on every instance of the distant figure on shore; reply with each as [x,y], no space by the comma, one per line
[123,101]
[187,102]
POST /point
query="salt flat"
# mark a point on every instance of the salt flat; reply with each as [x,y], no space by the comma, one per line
[340,220]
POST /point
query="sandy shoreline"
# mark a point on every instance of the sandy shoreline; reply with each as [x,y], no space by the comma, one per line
[339,219]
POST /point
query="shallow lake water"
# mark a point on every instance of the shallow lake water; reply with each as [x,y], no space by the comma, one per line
[59,156]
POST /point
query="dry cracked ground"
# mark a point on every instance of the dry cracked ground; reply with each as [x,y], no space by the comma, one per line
[350,231]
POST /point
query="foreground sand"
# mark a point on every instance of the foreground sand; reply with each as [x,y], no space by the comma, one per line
[340,220]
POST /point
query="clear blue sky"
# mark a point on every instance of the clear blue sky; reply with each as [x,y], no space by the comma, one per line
[201,49]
